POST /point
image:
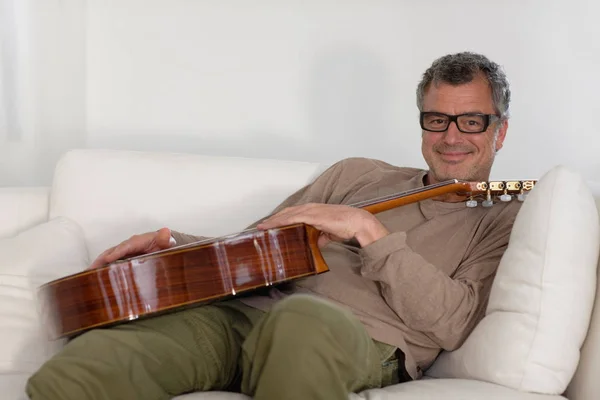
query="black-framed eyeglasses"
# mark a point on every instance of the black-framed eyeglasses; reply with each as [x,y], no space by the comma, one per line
[466,123]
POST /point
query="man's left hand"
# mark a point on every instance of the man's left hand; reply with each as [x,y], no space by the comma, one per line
[336,222]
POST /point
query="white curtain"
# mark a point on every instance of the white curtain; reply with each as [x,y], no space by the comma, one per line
[42,86]
[11,130]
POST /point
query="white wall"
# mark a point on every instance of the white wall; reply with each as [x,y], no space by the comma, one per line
[315,81]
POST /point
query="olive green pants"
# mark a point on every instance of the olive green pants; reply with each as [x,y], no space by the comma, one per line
[304,348]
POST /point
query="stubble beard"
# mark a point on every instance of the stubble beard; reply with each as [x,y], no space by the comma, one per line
[474,173]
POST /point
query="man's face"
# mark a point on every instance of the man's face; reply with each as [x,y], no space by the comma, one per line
[453,154]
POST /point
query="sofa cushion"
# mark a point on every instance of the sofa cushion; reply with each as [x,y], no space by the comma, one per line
[424,389]
[22,208]
[448,389]
[113,194]
[541,300]
[45,252]
[585,384]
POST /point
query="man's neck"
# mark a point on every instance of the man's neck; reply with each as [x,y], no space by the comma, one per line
[448,197]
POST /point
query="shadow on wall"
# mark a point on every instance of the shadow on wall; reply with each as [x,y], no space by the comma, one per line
[347,111]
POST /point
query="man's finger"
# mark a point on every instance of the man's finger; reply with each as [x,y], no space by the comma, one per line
[274,217]
[292,210]
[305,213]
[282,221]
[163,239]
[100,260]
[323,240]
[128,247]
[136,245]
[132,246]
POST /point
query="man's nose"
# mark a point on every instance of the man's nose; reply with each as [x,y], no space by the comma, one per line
[452,134]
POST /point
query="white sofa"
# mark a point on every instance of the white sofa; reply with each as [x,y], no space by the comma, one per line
[109,195]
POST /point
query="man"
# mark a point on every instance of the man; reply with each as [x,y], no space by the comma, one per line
[403,284]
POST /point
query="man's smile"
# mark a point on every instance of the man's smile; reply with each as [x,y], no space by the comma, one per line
[453,156]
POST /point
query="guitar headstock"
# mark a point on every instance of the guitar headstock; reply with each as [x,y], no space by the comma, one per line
[504,191]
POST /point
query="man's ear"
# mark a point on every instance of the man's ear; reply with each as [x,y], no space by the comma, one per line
[501,135]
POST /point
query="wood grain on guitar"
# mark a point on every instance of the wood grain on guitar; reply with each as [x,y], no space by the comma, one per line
[219,268]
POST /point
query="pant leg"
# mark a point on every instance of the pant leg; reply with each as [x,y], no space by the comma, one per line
[152,359]
[393,369]
[308,348]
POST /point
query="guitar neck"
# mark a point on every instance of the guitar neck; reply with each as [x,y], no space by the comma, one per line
[504,189]
[385,203]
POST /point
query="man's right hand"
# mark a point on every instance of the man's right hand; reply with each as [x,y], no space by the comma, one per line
[136,245]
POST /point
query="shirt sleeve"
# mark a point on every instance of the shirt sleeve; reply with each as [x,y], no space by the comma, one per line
[445,308]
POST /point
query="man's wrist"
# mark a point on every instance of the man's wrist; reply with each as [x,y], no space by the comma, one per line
[372,231]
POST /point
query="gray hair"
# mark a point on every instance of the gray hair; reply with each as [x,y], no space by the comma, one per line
[461,68]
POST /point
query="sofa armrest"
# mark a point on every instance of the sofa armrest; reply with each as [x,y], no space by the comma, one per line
[22,208]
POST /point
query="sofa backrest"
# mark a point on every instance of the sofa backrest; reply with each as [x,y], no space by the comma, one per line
[114,194]
[585,384]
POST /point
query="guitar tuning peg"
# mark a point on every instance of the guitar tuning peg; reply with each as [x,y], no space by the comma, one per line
[506,197]
[525,187]
[488,201]
[471,203]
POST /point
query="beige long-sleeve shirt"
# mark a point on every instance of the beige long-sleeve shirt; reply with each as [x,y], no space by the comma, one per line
[423,287]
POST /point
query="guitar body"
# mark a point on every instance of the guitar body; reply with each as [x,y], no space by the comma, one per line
[217,269]
[183,276]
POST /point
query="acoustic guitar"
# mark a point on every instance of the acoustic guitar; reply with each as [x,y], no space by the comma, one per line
[218,268]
